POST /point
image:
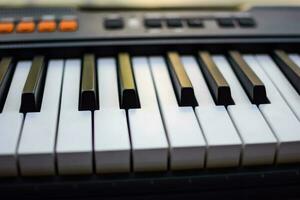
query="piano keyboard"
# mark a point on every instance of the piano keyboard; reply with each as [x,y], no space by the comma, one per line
[148,113]
[109,103]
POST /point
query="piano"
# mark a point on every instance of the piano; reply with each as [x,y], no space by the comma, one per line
[151,104]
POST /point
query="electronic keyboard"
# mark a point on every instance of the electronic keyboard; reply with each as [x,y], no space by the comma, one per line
[165,103]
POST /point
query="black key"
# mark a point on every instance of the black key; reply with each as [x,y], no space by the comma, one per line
[6,74]
[114,23]
[181,82]
[246,22]
[225,22]
[216,82]
[153,23]
[288,67]
[88,86]
[34,86]
[195,23]
[128,92]
[174,23]
[251,83]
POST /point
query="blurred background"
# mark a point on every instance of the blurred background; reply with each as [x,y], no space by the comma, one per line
[148,3]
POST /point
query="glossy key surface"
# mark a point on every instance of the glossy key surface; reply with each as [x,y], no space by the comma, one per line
[127,88]
[88,88]
[288,67]
[182,85]
[251,83]
[215,80]
[34,87]
[6,73]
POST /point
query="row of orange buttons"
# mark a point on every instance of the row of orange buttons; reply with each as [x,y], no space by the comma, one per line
[43,26]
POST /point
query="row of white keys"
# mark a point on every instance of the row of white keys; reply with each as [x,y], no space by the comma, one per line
[36,149]
[281,119]
[148,138]
[187,144]
[74,137]
[223,142]
[11,121]
[285,88]
[259,143]
[111,137]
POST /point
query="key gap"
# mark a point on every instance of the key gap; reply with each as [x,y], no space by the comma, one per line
[273,132]
[241,138]
[57,120]
[80,80]
[198,119]
[162,118]
[93,143]
[130,141]
[269,124]
[97,86]
[205,139]
[18,143]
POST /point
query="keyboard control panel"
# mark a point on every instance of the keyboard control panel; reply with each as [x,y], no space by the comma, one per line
[45,24]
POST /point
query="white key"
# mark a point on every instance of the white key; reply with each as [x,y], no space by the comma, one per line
[36,148]
[187,144]
[149,142]
[295,58]
[281,119]
[74,137]
[258,140]
[223,141]
[111,138]
[11,121]
[285,88]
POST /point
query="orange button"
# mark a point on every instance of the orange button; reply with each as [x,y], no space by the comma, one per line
[68,25]
[47,26]
[25,27]
[6,27]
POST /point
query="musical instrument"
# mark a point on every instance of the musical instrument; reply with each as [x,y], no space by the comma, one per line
[132,102]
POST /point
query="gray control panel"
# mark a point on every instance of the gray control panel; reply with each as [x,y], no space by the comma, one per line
[119,25]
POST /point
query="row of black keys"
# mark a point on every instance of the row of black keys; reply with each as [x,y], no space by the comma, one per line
[254,87]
